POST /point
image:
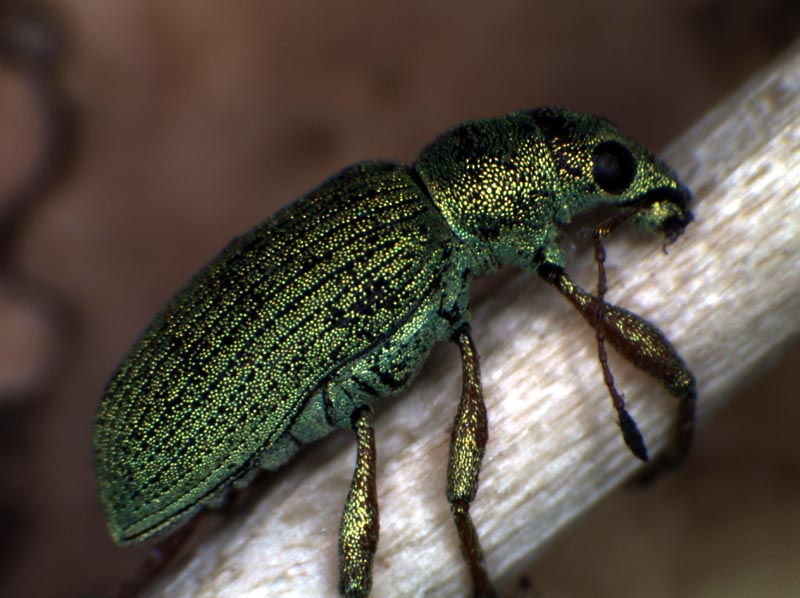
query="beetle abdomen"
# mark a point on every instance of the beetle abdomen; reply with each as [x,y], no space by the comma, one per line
[227,368]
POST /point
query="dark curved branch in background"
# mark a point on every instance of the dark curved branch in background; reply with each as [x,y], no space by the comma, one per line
[32,47]
[31,43]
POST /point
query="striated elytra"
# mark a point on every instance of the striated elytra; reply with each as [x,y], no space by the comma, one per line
[298,326]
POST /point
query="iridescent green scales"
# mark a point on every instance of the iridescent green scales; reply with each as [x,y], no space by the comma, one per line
[299,325]
[236,368]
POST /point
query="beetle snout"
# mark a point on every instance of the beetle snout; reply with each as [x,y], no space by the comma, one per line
[665,211]
[676,214]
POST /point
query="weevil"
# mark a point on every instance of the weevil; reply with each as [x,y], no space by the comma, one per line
[299,325]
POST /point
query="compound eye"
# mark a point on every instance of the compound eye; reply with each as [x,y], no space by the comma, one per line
[614,167]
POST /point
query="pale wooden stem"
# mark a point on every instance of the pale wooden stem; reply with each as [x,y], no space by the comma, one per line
[727,295]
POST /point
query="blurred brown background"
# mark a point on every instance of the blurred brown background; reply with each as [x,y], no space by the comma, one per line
[196,120]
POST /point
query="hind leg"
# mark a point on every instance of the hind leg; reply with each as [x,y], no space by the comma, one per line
[358,533]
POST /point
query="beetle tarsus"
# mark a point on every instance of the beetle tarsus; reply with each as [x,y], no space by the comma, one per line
[472,551]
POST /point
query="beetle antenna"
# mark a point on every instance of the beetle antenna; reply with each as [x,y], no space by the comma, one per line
[630,431]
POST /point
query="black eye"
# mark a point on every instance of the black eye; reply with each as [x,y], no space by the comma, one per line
[614,167]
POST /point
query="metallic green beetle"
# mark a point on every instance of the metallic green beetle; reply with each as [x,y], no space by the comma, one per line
[298,326]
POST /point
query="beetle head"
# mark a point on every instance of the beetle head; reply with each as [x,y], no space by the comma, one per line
[597,165]
[507,186]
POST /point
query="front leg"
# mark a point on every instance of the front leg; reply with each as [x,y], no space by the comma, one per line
[646,347]
[467,445]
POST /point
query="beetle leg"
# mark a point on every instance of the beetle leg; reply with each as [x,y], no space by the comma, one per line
[467,445]
[644,346]
[157,561]
[358,533]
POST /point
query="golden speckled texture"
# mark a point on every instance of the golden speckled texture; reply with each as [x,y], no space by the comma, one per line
[358,537]
[336,301]
[194,126]
[510,183]
[217,381]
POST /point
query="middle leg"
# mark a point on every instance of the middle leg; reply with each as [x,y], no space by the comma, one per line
[467,446]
